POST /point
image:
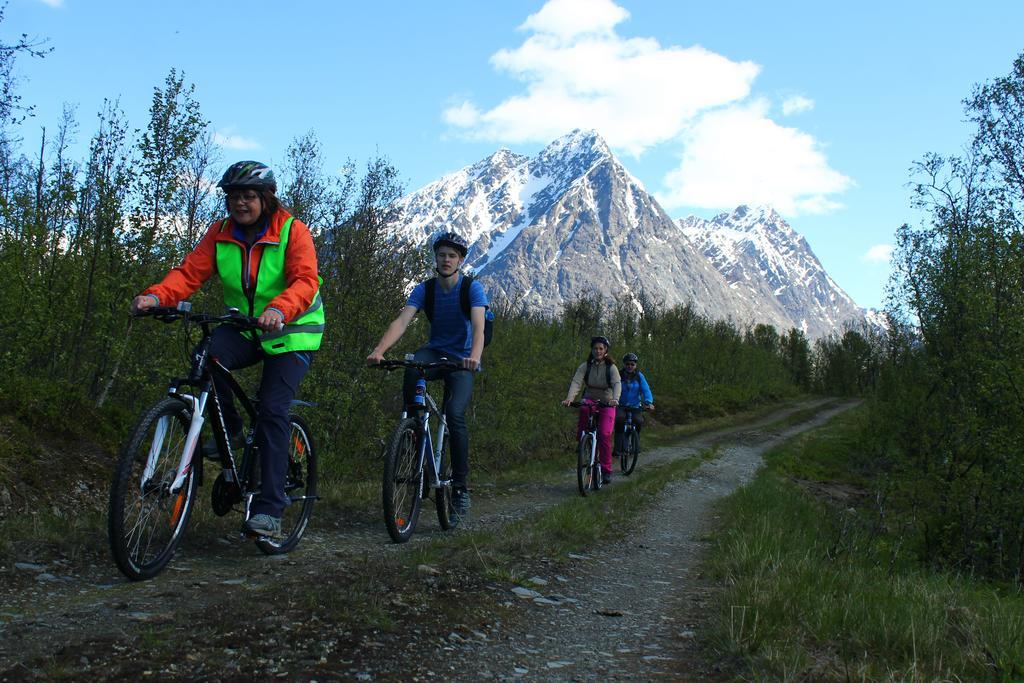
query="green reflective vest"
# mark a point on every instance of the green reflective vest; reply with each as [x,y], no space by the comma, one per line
[305,332]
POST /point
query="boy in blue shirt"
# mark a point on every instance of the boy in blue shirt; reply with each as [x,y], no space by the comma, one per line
[452,336]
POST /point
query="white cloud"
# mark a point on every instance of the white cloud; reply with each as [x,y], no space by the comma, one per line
[797,104]
[53,3]
[576,71]
[228,140]
[738,155]
[579,74]
[880,253]
[567,19]
[464,115]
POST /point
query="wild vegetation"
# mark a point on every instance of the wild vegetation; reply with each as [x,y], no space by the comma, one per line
[890,545]
[817,583]
[945,382]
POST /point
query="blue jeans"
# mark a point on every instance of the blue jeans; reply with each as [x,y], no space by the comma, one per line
[458,387]
[279,384]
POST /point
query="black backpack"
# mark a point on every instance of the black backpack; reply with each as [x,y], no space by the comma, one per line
[467,282]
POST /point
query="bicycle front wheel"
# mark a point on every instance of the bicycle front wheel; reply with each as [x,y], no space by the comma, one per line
[146,517]
[299,485]
[586,470]
[630,451]
[443,494]
[403,481]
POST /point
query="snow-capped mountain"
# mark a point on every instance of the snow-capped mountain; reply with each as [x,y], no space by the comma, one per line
[763,258]
[572,221]
[569,221]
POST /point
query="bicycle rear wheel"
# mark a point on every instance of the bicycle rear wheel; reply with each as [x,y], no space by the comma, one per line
[146,518]
[403,481]
[443,494]
[300,485]
[630,451]
[586,472]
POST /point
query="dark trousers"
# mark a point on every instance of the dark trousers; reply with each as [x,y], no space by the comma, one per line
[620,420]
[279,384]
[458,387]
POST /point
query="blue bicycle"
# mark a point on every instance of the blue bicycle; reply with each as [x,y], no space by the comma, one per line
[414,463]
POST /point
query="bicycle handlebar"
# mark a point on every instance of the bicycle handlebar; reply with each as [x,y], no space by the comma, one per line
[169,314]
[444,363]
[591,402]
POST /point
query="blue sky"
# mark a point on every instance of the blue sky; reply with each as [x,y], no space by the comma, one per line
[817,109]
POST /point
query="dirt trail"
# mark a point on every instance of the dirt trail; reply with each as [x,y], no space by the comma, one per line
[625,612]
[81,620]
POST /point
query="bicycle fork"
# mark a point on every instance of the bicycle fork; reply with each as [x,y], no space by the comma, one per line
[185,462]
[429,452]
[593,450]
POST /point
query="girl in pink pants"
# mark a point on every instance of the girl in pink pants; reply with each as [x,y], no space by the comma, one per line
[598,377]
[605,427]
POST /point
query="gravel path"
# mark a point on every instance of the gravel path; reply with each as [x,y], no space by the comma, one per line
[624,612]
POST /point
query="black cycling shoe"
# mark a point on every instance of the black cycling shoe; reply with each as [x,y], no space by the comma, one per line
[606,478]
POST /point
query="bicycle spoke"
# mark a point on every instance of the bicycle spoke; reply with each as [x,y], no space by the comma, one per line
[146,519]
[402,481]
[300,486]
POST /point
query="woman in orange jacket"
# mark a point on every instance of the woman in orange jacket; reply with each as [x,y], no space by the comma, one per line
[267,264]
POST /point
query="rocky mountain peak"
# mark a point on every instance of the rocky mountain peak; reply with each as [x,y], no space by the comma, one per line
[572,221]
[573,154]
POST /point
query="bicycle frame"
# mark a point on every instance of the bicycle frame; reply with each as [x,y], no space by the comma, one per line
[201,376]
[628,425]
[591,428]
[427,451]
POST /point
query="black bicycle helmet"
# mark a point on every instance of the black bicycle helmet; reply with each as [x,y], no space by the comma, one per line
[251,174]
[453,240]
[630,358]
[600,340]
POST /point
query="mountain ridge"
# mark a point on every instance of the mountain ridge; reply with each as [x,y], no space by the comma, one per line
[571,221]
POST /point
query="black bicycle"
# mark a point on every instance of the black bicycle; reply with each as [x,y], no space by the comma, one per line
[160,466]
[415,464]
[630,451]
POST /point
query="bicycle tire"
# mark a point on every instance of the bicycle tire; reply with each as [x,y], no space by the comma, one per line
[584,469]
[630,451]
[146,520]
[443,494]
[300,482]
[596,481]
[403,481]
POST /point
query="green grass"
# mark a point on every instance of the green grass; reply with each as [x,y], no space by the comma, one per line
[553,533]
[656,435]
[43,534]
[811,593]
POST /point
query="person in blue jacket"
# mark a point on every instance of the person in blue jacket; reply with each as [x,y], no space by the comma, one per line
[636,396]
